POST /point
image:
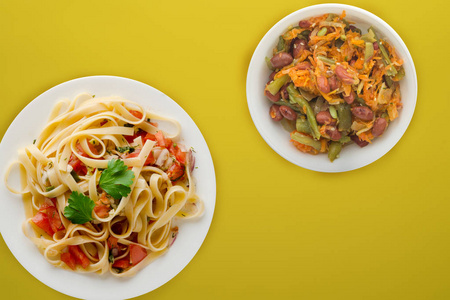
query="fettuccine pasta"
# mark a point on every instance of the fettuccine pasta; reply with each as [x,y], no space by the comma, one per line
[105,185]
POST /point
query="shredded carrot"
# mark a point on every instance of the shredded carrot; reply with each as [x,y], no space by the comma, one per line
[305,148]
[323,145]
[366,136]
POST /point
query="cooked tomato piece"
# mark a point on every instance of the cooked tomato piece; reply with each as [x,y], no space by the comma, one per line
[79,255]
[77,165]
[136,113]
[137,254]
[102,206]
[175,171]
[101,209]
[69,260]
[54,219]
[121,263]
[150,158]
[112,242]
[140,133]
[149,136]
[162,141]
[179,154]
[42,221]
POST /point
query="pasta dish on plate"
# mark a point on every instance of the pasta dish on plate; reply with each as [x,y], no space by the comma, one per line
[104,186]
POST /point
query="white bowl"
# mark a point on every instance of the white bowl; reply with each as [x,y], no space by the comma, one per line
[352,156]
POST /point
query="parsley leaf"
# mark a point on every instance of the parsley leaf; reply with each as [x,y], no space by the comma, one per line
[116,179]
[79,210]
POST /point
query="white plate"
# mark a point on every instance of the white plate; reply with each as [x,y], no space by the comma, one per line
[352,156]
[25,128]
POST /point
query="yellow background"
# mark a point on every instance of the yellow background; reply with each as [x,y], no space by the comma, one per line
[279,231]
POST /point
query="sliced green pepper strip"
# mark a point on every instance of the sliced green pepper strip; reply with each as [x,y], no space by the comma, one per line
[269,64]
[322,31]
[344,116]
[281,44]
[368,53]
[306,140]
[295,96]
[400,74]
[333,111]
[302,125]
[333,150]
[345,139]
[326,60]
[276,85]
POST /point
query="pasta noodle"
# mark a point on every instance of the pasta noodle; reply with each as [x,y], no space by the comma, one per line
[105,186]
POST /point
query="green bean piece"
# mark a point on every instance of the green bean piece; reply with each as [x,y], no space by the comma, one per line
[331,17]
[388,81]
[338,43]
[302,125]
[333,111]
[293,106]
[344,116]
[276,85]
[295,96]
[281,44]
[306,33]
[345,139]
[369,36]
[322,31]
[333,150]
[400,74]
[306,140]
[361,101]
[326,60]
[269,64]
[75,176]
[391,71]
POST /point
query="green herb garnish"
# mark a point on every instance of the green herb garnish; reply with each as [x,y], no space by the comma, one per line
[125,149]
[79,210]
[116,179]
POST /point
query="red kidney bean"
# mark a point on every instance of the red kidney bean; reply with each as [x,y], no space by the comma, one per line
[343,75]
[304,24]
[298,46]
[304,65]
[322,84]
[283,91]
[362,112]
[275,113]
[273,98]
[375,46]
[358,142]
[334,133]
[324,117]
[351,98]
[333,82]
[272,75]
[281,59]
[288,112]
[379,126]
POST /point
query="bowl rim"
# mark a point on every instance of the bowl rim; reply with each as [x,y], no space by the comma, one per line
[298,15]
